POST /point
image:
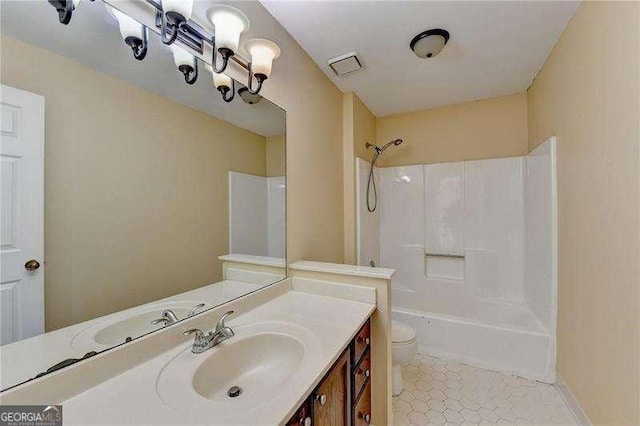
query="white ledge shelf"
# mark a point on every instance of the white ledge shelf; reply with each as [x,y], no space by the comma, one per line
[254,260]
[340,269]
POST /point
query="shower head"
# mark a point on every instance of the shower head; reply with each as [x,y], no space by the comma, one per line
[379,150]
[395,142]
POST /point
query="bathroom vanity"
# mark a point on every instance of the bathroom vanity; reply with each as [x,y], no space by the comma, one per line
[343,397]
[300,354]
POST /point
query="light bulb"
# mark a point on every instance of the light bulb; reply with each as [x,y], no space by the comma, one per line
[75,3]
[262,52]
[228,23]
[181,56]
[182,7]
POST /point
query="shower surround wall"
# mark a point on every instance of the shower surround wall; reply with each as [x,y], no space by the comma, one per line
[257,215]
[473,244]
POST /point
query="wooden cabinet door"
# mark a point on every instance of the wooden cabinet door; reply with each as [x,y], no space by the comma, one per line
[330,400]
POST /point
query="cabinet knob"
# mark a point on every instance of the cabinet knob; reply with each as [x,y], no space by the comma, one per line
[366,372]
[365,417]
[305,422]
[322,399]
[365,340]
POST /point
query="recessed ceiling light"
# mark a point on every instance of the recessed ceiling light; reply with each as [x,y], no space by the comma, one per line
[346,64]
[429,43]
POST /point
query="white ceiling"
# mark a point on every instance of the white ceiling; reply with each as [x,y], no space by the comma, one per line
[92,38]
[496,47]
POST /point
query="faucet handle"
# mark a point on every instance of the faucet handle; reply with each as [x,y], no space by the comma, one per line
[220,324]
[195,309]
[199,334]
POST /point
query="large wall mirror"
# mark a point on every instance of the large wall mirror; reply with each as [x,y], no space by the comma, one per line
[130,199]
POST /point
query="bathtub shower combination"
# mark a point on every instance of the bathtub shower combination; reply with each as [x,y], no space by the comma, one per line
[474,246]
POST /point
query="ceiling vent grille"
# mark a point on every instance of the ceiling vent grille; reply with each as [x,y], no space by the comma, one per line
[346,64]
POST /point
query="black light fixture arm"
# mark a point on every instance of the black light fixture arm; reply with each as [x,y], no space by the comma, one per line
[225,54]
[64,9]
[190,72]
[139,46]
[260,78]
[228,93]
[170,23]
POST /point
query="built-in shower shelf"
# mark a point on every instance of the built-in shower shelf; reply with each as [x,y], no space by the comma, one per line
[452,256]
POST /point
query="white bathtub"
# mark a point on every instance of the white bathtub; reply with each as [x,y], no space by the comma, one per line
[519,346]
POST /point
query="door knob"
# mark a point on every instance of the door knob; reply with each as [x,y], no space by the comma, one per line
[32,265]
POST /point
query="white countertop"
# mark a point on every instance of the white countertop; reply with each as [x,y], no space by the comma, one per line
[277,262]
[341,269]
[22,360]
[133,397]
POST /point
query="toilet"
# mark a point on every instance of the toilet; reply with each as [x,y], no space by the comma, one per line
[404,348]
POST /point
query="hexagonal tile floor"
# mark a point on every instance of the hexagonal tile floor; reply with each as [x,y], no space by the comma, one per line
[441,392]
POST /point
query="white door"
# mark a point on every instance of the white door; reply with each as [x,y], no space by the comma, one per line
[21,214]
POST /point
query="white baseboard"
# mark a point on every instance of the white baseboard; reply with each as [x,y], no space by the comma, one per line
[571,401]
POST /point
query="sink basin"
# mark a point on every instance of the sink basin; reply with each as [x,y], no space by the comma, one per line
[136,325]
[261,359]
[258,364]
[115,329]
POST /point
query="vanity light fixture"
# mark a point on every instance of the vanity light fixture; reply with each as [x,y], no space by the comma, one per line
[133,33]
[172,20]
[228,23]
[187,63]
[429,43]
[175,13]
[65,9]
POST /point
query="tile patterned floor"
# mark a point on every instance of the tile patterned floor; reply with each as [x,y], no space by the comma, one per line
[439,392]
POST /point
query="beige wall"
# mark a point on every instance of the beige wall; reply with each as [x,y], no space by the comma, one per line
[131,181]
[364,128]
[359,127]
[587,94]
[314,143]
[488,128]
[276,153]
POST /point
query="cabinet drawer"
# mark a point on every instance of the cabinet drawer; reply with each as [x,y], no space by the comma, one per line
[362,410]
[361,342]
[361,374]
[302,417]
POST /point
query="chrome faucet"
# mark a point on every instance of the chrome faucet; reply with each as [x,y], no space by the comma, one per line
[168,317]
[203,341]
[195,309]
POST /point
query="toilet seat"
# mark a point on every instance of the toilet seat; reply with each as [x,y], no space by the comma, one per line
[402,334]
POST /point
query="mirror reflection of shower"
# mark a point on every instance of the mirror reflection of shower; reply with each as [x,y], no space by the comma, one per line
[372,180]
